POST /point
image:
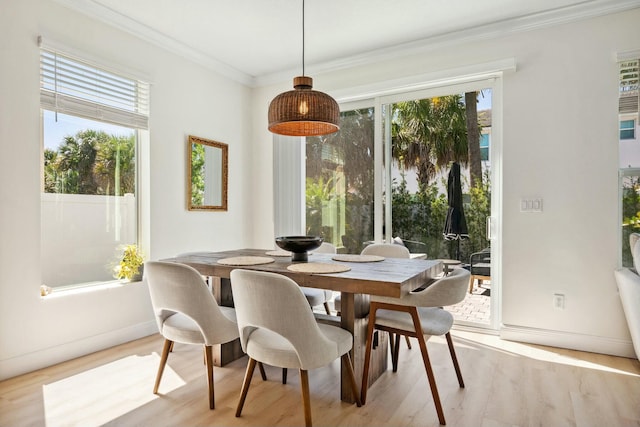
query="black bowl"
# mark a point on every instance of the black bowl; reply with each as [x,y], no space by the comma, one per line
[299,245]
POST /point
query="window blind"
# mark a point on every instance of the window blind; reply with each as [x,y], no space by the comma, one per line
[75,87]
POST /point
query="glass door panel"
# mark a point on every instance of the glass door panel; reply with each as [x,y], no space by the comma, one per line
[340,182]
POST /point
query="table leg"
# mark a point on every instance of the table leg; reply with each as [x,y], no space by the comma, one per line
[354,311]
[228,352]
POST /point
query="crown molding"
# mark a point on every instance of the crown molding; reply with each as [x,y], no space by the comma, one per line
[581,11]
[115,19]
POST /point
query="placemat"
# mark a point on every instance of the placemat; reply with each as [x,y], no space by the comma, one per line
[278,253]
[318,267]
[357,258]
[246,260]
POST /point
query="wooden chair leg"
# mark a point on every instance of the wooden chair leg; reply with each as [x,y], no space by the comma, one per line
[284,375]
[306,399]
[251,366]
[171,348]
[471,279]
[326,308]
[427,366]
[163,361]
[346,359]
[406,338]
[367,356]
[209,357]
[263,374]
[452,350]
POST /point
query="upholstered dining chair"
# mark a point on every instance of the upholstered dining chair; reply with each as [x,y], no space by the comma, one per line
[277,328]
[186,312]
[320,296]
[418,314]
[387,250]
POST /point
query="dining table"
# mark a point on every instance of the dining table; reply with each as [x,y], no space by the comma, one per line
[393,277]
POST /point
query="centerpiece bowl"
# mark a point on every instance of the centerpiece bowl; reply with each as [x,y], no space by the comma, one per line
[299,245]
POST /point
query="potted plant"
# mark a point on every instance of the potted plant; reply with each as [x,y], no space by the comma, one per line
[130,265]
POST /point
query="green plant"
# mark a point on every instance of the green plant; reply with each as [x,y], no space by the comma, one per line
[130,263]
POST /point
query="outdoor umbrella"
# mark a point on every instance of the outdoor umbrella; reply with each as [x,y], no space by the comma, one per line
[455,225]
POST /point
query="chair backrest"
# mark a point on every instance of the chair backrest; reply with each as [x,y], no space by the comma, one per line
[178,288]
[326,248]
[274,302]
[388,250]
[448,290]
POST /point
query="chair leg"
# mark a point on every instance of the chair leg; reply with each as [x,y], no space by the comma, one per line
[452,350]
[163,361]
[306,399]
[406,338]
[326,308]
[171,348]
[367,356]
[395,352]
[251,366]
[284,375]
[427,367]
[471,280]
[263,374]
[209,358]
[346,359]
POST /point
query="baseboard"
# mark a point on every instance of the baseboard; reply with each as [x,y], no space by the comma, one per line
[569,340]
[53,355]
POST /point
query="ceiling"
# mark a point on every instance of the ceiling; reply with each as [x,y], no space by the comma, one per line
[260,41]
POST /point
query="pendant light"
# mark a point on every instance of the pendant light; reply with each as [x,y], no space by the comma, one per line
[303,111]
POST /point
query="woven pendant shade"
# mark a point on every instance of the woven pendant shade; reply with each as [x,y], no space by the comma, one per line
[303,111]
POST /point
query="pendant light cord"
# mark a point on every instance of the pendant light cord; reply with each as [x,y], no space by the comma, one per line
[303,37]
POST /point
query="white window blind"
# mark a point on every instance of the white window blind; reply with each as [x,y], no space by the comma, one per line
[75,87]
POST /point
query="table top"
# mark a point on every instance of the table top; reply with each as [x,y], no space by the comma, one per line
[394,277]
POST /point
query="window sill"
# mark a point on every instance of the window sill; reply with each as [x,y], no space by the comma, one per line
[47,292]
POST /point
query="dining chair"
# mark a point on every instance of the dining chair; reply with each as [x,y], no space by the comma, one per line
[277,328]
[418,314]
[320,296]
[186,312]
[387,250]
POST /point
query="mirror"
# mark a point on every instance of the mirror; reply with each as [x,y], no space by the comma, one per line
[207,183]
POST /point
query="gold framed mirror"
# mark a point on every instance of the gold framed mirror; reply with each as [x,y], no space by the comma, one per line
[208,175]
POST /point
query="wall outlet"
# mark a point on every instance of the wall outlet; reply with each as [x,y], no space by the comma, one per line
[530,205]
[558,301]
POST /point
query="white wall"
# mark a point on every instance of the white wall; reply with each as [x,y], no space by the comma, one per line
[559,144]
[185,99]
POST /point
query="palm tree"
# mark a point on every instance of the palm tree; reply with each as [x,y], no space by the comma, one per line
[427,134]
[114,167]
[473,138]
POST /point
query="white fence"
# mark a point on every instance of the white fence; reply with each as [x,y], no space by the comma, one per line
[82,235]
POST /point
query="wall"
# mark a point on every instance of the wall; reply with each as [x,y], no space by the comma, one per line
[185,99]
[559,144]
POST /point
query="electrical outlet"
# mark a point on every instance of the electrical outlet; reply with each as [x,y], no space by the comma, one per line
[558,301]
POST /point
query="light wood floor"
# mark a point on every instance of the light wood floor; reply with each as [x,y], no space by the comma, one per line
[507,384]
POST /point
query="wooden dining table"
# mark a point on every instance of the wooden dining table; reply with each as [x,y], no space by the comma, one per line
[392,277]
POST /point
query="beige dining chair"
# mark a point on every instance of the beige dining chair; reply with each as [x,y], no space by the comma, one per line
[277,328]
[418,314]
[186,312]
[387,250]
[320,296]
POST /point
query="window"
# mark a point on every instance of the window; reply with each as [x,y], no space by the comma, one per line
[627,129]
[92,124]
[629,154]
[484,146]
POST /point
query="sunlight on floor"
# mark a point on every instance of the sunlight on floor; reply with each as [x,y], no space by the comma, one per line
[542,353]
[99,395]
